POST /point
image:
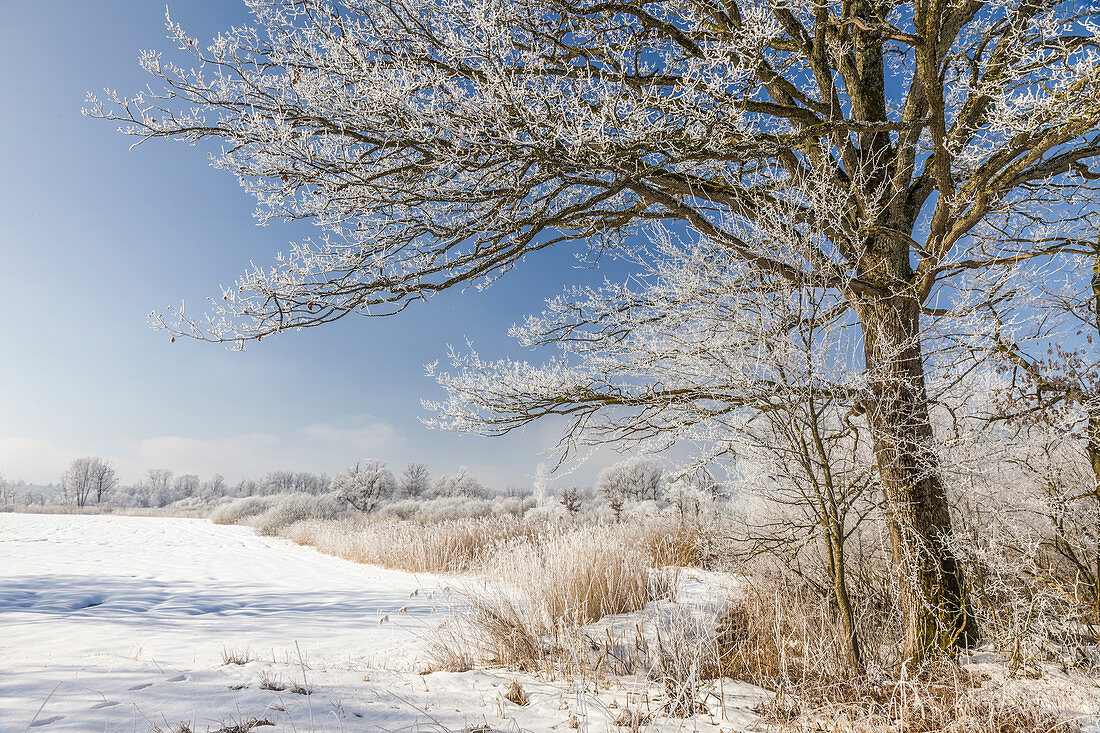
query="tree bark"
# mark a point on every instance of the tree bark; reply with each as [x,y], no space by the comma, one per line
[936,614]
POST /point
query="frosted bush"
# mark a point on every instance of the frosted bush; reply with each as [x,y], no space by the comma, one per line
[446,508]
[291,508]
[403,509]
[237,511]
[516,506]
[548,513]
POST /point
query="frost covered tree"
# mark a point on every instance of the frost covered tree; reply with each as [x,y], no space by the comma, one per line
[159,481]
[437,144]
[87,480]
[690,493]
[7,491]
[215,487]
[185,486]
[460,484]
[635,479]
[364,485]
[415,480]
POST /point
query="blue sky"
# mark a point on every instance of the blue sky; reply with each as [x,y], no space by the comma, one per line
[94,236]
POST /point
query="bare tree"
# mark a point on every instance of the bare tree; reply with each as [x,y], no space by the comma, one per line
[635,479]
[185,486]
[415,480]
[86,480]
[215,487]
[437,144]
[571,501]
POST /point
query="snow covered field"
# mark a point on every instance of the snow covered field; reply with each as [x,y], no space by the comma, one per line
[112,623]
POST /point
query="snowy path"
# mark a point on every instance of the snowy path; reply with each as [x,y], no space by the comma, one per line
[128,617]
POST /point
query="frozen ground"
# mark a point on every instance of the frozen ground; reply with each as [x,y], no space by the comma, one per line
[114,623]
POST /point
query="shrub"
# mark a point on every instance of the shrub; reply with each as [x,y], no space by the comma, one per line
[291,508]
[238,510]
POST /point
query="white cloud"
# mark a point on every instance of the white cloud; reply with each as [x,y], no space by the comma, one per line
[39,461]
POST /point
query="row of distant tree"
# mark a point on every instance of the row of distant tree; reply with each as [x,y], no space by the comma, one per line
[93,481]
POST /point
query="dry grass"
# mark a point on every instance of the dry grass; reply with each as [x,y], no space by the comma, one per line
[271,682]
[515,694]
[237,656]
[543,590]
[450,546]
[780,630]
[946,700]
[298,689]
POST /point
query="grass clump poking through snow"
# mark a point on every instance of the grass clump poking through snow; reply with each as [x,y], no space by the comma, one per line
[542,591]
[237,656]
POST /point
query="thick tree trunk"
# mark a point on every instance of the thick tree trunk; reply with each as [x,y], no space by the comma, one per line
[1093,437]
[932,592]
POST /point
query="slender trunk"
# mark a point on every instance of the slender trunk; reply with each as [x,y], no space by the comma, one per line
[843,600]
[833,520]
[933,602]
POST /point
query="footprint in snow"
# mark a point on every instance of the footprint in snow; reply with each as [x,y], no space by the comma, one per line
[142,686]
[104,704]
[177,678]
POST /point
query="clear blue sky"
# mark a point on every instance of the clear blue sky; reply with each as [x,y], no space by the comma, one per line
[94,236]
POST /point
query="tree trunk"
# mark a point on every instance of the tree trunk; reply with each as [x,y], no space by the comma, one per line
[835,550]
[932,593]
[1093,409]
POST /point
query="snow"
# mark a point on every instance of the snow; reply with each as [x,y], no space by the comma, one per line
[111,623]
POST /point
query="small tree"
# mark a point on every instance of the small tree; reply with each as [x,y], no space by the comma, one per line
[571,500]
[689,493]
[415,480]
[364,485]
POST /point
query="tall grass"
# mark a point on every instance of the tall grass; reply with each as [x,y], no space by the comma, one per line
[541,591]
[449,546]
